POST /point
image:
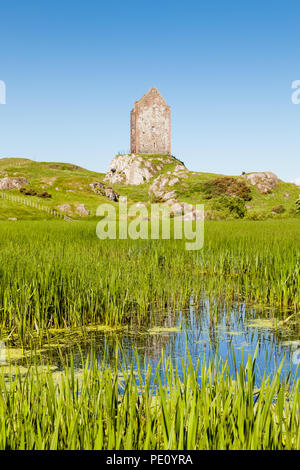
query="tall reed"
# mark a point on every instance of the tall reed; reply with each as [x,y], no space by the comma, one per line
[58,275]
[100,408]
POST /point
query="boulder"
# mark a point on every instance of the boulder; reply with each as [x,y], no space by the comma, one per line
[185,211]
[111,194]
[175,207]
[82,210]
[8,183]
[65,208]
[100,188]
[159,187]
[265,181]
[193,215]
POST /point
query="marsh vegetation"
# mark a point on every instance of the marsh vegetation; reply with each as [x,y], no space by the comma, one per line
[174,346]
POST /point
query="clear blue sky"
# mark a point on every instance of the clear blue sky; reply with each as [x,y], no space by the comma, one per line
[74,68]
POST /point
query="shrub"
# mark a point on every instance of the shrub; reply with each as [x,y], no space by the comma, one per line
[278,209]
[44,194]
[257,215]
[234,206]
[227,186]
[28,191]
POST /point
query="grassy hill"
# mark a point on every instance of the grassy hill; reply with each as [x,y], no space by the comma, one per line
[70,184]
[67,184]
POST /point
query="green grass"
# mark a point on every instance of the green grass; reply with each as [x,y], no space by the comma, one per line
[73,188]
[66,183]
[99,408]
[58,275]
[190,190]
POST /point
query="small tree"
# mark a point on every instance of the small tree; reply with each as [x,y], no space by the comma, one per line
[235,206]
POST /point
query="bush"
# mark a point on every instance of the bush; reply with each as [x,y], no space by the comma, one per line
[28,191]
[44,194]
[257,215]
[227,186]
[234,206]
[278,209]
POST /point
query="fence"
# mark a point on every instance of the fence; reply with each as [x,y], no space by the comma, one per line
[31,203]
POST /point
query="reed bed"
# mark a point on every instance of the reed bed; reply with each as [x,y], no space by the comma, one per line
[102,408]
[60,275]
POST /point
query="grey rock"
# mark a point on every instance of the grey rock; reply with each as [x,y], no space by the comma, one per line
[265,181]
[111,194]
[8,183]
[82,210]
[100,188]
[128,169]
[134,169]
[65,208]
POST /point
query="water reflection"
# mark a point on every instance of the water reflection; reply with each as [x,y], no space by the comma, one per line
[207,329]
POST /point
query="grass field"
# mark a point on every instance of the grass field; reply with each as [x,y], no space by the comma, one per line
[59,277]
[60,274]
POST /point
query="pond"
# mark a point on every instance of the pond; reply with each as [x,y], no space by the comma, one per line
[207,331]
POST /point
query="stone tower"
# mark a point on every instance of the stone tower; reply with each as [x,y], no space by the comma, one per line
[150,125]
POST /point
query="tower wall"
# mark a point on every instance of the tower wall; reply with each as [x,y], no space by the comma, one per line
[150,125]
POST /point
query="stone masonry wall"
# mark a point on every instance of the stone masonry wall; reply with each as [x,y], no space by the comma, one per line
[150,125]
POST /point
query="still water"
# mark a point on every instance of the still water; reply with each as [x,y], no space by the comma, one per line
[207,331]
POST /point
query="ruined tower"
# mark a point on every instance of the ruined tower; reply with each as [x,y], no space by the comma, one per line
[150,125]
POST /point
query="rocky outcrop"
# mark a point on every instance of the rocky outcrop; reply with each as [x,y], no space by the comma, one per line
[181,171]
[185,211]
[8,183]
[136,169]
[111,194]
[100,188]
[265,181]
[65,208]
[82,210]
[159,189]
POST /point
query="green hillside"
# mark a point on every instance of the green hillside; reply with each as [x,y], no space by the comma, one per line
[67,184]
[70,184]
